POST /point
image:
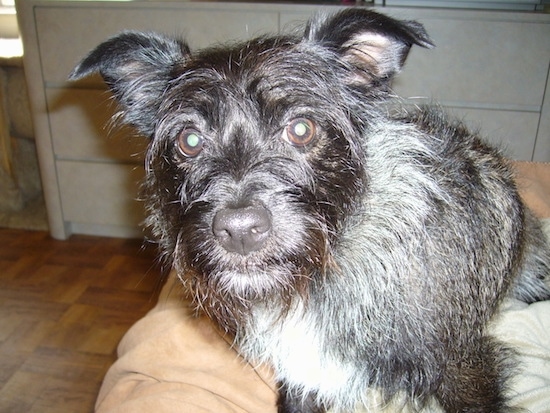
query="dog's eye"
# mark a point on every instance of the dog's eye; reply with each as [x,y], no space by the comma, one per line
[299,132]
[190,142]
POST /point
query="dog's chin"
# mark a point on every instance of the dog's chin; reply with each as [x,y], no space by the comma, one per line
[253,284]
[228,295]
[264,274]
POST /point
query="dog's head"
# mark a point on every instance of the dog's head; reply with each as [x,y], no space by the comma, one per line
[256,158]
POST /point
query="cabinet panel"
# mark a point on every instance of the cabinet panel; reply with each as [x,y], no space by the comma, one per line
[513,132]
[83,28]
[477,58]
[100,193]
[480,61]
[82,127]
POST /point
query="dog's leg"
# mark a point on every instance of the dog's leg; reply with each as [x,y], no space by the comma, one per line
[297,403]
[475,382]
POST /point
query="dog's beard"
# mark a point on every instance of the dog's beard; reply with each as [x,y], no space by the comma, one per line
[226,284]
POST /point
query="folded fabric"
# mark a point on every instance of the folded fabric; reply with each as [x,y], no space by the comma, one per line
[173,361]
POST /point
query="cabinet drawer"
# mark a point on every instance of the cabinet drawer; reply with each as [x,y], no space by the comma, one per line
[81,127]
[82,27]
[465,66]
[513,132]
[100,193]
[478,58]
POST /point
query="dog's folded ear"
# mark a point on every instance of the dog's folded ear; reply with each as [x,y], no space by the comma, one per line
[137,68]
[374,44]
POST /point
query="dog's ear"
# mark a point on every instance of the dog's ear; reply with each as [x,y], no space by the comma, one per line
[137,68]
[375,44]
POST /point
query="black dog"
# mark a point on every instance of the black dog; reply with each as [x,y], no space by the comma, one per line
[359,253]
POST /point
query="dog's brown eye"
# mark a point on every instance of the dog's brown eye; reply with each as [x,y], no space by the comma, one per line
[190,142]
[299,132]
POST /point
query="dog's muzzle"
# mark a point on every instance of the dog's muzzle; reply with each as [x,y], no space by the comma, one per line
[242,230]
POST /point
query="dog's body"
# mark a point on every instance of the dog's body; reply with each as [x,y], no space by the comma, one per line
[351,249]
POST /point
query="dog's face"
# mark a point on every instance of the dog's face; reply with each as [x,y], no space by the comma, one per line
[257,154]
[257,140]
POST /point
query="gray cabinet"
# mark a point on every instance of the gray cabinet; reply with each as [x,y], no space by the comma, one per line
[491,68]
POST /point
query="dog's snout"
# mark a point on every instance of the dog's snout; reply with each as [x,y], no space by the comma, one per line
[242,230]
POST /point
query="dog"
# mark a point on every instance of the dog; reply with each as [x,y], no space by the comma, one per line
[355,247]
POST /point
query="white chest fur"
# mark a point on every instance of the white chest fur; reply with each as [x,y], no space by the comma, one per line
[294,346]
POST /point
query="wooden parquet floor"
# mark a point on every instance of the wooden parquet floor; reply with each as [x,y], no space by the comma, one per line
[64,306]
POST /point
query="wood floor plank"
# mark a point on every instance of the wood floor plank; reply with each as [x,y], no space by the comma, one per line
[21,391]
[64,306]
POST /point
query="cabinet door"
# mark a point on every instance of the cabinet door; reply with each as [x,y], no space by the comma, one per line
[478,61]
[82,128]
[100,193]
[491,73]
[489,69]
[513,132]
[67,33]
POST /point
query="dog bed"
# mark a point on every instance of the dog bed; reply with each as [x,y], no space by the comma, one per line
[171,361]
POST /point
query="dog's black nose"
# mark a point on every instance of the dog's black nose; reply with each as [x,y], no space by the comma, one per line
[242,230]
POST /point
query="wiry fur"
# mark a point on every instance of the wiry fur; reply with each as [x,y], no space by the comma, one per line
[387,242]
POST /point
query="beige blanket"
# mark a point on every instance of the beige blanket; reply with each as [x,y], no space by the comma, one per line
[170,361]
